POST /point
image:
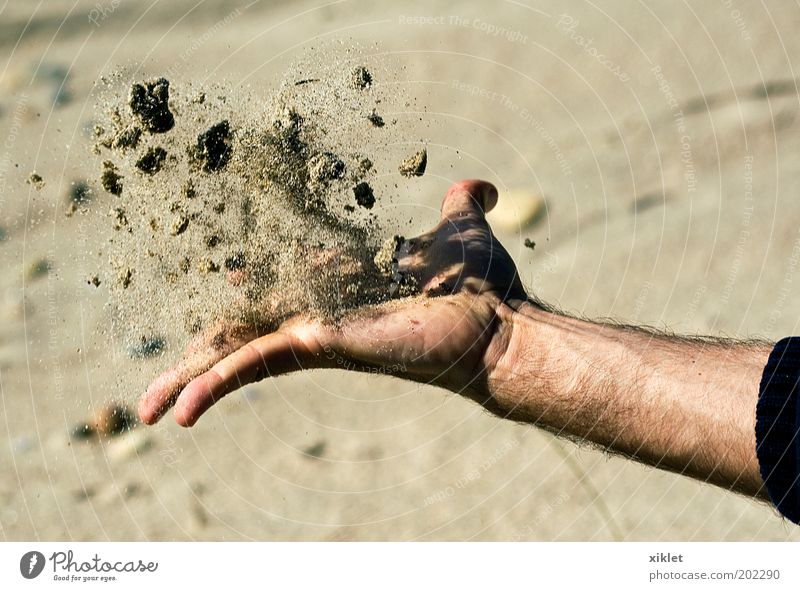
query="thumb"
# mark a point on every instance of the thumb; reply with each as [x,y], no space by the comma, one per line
[469,197]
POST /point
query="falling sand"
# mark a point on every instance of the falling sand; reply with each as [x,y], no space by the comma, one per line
[226,208]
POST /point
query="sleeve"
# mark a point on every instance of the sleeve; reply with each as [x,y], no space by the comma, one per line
[778,427]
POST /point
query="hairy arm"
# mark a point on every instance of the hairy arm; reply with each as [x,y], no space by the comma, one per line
[674,403]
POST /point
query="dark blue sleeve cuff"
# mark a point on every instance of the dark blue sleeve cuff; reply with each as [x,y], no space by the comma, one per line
[778,427]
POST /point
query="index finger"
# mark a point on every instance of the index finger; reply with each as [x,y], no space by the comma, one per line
[268,356]
[201,354]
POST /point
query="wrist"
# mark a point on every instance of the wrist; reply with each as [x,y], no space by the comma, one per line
[527,370]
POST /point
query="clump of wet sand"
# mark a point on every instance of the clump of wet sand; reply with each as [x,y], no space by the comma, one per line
[224,207]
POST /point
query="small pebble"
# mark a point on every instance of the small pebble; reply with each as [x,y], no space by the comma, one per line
[150,103]
[214,147]
[39,268]
[125,278]
[315,451]
[361,78]
[108,420]
[376,119]
[208,266]
[36,180]
[415,165]
[364,195]
[81,432]
[179,225]
[152,160]
[325,167]
[111,419]
[387,254]
[80,193]
[111,179]
[147,347]
[516,209]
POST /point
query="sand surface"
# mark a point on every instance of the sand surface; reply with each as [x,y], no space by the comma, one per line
[663,140]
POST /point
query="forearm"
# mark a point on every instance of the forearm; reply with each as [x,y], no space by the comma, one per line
[677,404]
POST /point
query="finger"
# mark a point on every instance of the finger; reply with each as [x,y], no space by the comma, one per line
[162,393]
[268,356]
[469,197]
[202,353]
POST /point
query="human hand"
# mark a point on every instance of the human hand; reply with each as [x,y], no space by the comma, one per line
[453,335]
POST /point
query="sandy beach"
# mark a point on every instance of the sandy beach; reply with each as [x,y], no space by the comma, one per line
[657,142]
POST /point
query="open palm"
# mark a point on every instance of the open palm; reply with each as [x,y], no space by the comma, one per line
[452,336]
